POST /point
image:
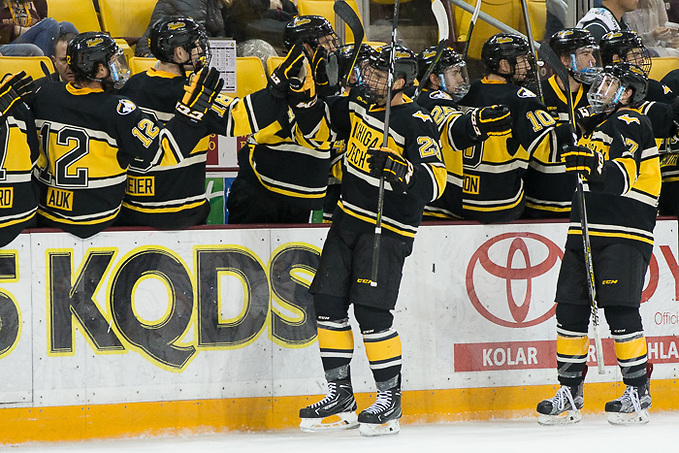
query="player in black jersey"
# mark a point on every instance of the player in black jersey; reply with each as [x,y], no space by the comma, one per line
[448,82]
[171,194]
[415,175]
[89,136]
[549,188]
[19,154]
[281,180]
[619,160]
[493,189]
[662,108]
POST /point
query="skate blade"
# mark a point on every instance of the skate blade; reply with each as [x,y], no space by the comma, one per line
[632,418]
[373,429]
[337,422]
[564,418]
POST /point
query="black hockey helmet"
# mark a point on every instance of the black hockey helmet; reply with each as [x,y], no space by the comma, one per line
[425,58]
[405,61]
[606,92]
[87,50]
[307,29]
[171,32]
[345,56]
[571,41]
[506,46]
[617,45]
[449,59]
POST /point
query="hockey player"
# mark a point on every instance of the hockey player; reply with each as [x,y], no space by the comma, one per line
[414,175]
[172,193]
[493,170]
[619,160]
[89,137]
[279,179]
[19,147]
[661,106]
[448,82]
[549,188]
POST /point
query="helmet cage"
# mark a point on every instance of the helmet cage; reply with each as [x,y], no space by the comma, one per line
[170,33]
[625,46]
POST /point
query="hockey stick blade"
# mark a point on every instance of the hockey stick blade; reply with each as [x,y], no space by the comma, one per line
[349,16]
[441,17]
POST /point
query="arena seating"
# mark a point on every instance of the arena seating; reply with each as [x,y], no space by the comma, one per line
[141,64]
[325,8]
[662,66]
[80,13]
[126,18]
[29,64]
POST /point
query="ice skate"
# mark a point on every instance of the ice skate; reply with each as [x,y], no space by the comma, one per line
[632,407]
[563,408]
[382,416]
[335,412]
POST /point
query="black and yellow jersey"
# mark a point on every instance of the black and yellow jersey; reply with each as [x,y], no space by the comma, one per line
[456,134]
[171,194]
[19,195]
[549,189]
[493,189]
[412,133]
[622,207]
[287,167]
[88,138]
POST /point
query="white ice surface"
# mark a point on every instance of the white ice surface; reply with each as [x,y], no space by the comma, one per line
[592,434]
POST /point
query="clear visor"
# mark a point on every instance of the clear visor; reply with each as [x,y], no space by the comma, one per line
[586,64]
[120,72]
[605,93]
[455,80]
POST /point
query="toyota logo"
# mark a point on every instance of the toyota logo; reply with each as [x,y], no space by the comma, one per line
[500,278]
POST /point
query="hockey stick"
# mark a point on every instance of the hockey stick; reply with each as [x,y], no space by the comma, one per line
[555,62]
[349,16]
[444,31]
[475,16]
[385,142]
[531,44]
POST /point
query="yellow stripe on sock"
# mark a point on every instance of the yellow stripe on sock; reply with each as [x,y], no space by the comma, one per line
[572,346]
[335,339]
[626,350]
[383,350]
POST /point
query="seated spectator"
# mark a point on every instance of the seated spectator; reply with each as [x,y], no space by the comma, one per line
[246,20]
[648,20]
[63,71]
[26,22]
[207,13]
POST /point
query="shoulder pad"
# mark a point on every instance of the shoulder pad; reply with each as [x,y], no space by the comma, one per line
[125,106]
[525,93]
[438,94]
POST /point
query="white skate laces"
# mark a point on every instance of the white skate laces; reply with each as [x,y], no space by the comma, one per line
[562,408]
[331,395]
[561,401]
[381,404]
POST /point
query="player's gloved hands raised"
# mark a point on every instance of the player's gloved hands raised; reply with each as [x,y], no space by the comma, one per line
[585,161]
[304,96]
[325,69]
[12,88]
[201,90]
[290,74]
[387,163]
[491,120]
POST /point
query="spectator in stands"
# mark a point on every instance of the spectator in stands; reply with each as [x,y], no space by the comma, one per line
[207,13]
[63,71]
[608,17]
[246,20]
[26,22]
[648,20]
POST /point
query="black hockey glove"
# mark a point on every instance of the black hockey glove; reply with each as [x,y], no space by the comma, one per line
[289,74]
[325,84]
[13,88]
[587,120]
[585,161]
[397,170]
[200,92]
[492,120]
[304,96]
